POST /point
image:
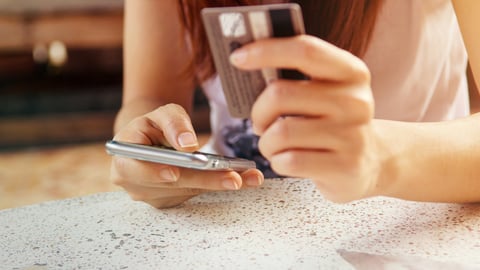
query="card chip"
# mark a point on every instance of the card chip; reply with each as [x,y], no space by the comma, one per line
[232,24]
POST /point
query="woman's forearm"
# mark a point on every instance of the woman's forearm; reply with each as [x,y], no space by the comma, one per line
[156,58]
[431,161]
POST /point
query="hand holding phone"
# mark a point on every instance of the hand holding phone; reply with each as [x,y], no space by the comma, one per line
[167,184]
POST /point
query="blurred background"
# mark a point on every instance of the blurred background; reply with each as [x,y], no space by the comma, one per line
[60,71]
[60,88]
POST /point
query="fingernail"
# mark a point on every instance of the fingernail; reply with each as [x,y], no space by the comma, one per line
[253,181]
[168,175]
[238,57]
[230,184]
[187,139]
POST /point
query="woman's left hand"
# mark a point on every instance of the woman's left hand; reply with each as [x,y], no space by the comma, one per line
[320,128]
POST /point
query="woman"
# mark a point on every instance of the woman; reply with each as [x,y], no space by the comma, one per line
[407,56]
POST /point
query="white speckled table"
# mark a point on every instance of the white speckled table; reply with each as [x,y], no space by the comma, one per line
[283,225]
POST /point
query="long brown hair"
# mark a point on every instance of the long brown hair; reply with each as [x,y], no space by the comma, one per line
[347,24]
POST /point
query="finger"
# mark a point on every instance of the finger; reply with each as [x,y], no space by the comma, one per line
[252,178]
[340,102]
[310,55]
[130,172]
[216,180]
[176,125]
[335,175]
[308,133]
[141,130]
[168,202]
[141,173]
[305,163]
[194,182]
[210,180]
[164,196]
[141,193]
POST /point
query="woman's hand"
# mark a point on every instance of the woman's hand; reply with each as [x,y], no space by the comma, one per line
[163,185]
[321,128]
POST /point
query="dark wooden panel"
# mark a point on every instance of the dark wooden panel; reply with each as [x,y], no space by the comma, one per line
[77,23]
[56,6]
[82,30]
[68,128]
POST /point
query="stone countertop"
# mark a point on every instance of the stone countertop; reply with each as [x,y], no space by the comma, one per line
[286,224]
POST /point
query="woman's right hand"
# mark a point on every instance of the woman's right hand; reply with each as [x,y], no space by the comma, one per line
[163,185]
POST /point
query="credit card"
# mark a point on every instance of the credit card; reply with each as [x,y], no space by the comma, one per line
[229,28]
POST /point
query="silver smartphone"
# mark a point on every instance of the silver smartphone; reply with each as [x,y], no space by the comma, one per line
[169,156]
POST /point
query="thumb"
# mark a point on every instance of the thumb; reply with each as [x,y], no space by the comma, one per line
[176,125]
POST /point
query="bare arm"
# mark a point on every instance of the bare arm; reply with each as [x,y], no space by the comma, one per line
[430,161]
[467,12]
[155,59]
[441,161]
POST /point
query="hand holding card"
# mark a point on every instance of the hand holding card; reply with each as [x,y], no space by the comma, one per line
[229,28]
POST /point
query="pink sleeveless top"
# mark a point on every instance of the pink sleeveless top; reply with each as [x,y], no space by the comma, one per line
[417,60]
